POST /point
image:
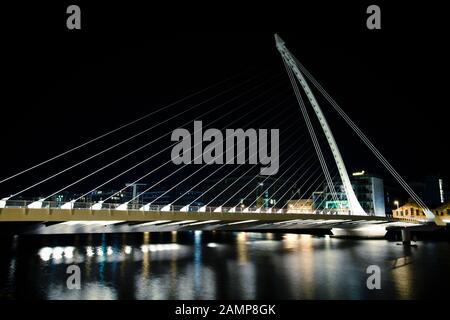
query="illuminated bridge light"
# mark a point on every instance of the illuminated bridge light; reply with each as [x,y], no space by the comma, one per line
[179,222]
[202,222]
[152,223]
[240,222]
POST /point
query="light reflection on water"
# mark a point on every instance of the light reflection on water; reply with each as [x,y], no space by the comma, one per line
[199,265]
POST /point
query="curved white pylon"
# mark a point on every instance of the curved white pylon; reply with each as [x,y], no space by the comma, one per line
[354,205]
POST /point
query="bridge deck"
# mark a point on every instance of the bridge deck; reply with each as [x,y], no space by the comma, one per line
[55,214]
[62,221]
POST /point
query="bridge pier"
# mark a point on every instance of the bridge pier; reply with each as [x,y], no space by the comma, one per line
[406,236]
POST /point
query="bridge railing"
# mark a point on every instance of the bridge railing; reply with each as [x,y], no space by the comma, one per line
[37,204]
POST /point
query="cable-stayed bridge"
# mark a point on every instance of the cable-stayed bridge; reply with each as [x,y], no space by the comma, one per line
[135,215]
[159,218]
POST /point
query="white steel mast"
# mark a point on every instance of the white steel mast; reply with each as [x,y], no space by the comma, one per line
[353,203]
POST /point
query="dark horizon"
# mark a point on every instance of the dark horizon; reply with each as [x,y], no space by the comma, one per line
[64,89]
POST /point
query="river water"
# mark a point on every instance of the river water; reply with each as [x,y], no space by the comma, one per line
[220,265]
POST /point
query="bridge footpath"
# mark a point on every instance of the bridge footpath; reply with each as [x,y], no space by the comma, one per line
[69,221]
[61,215]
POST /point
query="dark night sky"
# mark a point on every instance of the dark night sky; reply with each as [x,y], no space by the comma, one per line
[61,88]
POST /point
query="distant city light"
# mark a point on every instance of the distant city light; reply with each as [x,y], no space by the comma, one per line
[360,173]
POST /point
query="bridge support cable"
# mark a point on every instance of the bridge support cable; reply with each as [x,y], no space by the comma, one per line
[297,181]
[146,130]
[220,180]
[155,140]
[154,170]
[307,190]
[368,143]
[149,158]
[355,206]
[315,200]
[203,180]
[237,192]
[212,187]
[235,181]
[312,132]
[316,190]
[310,129]
[119,128]
[305,182]
[215,171]
[252,179]
[167,162]
[173,187]
[277,179]
[273,183]
[333,196]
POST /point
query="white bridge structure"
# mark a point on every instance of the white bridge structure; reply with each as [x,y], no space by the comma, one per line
[132,216]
